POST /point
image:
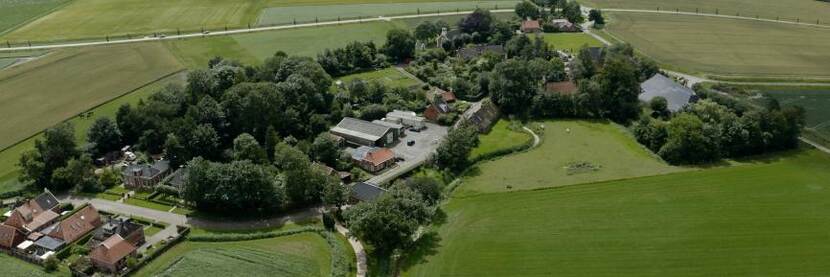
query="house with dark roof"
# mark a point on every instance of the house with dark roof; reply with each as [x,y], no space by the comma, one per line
[111,255]
[397,128]
[361,132]
[121,226]
[475,51]
[482,114]
[437,108]
[177,179]
[145,176]
[677,96]
[364,191]
[530,26]
[34,214]
[373,159]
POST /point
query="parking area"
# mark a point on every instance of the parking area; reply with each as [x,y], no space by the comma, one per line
[413,149]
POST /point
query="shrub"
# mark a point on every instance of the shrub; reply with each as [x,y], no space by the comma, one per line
[251,236]
[328,221]
[51,264]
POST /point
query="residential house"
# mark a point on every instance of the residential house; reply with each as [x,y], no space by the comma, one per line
[373,159]
[145,176]
[34,214]
[111,255]
[10,237]
[562,88]
[482,114]
[530,26]
[406,118]
[123,227]
[447,96]
[364,191]
[677,95]
[75,226]
[437,108]
[563,25]
[475,51]
[361,132]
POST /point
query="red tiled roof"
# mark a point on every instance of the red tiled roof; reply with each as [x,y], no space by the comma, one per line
[448,96]
[379,156]
[9,236]
[77,225]
[564,87]
[112,250]
[530,25]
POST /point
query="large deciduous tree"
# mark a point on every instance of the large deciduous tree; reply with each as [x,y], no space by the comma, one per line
[454,151]
[104,135]
[389,222]
[513,86]
[52,152]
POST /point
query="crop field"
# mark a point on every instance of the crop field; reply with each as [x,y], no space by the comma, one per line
[728,47]
[572,152]
[387,76]
[767,218]
[305,254]
[805,10]
[10,156]
[44,92]
[287,15]
[500,137]
[571,41]
[13,13]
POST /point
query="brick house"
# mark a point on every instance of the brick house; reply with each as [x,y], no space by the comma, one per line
[111,255]
[373,159]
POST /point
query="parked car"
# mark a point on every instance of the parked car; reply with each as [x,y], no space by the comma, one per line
[410,143]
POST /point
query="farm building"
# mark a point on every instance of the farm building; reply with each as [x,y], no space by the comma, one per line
[111,255]
[398,129]
[144,176]
[361,132]
[475,51]
[482,114]
[563,25]
[406,118]
[677,95]
[373,159]
[531,26]
[34,214]
[363,191]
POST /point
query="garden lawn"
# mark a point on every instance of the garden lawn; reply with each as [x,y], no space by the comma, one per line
[806,10]
[14,13]
[287,15]
[10,156]
[768,218]
[728,47]
[607,147]
[388,76]
[14,267]
[500,137]
[571,41]
[305,254]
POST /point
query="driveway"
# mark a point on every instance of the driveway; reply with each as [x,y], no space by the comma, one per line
[426,142]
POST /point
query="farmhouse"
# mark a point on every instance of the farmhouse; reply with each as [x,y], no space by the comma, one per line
[373,159]
[34,214]
[563,25]
[406,118]
[475,51]
[361,132]
[144,176]
[482,114]
[530,26]
[363,191]
[677,95]
[110,255]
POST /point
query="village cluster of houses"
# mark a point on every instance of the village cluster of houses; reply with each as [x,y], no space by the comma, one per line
[35,230]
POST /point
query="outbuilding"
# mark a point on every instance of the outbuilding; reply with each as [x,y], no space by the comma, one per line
[365,133]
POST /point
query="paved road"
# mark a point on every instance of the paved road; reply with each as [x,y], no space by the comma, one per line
[717,15]
[239,31]
[359,251]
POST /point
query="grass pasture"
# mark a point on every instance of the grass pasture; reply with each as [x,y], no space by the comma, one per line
[571,41]
[305,254]
[14,267]
[766,218]
[287,15]
[14,13]
[814,100]
[388,76]
[572,152]
[806,10]
[500,137]
[728,47]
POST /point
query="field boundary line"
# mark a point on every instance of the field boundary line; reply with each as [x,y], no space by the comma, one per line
[242,31]
[718,15]
[96,106]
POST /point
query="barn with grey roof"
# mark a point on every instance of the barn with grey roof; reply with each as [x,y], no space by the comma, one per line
[677,96]
[361,132]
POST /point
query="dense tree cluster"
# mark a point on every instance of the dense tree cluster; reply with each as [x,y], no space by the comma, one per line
[390,222]
[355,57]
[454,151]
[708,131]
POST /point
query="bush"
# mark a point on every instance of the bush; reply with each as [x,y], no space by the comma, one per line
[51,264]
[328,221]
[251,236]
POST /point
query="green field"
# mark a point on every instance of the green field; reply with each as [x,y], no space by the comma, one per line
[44,92]
[728,47]
[814,100]
[10,156]
[609,150]
[14,13]
[14,267]
[287,15]
[806,10]
[500,137]
[305,254]
[571,41]
[767,218]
